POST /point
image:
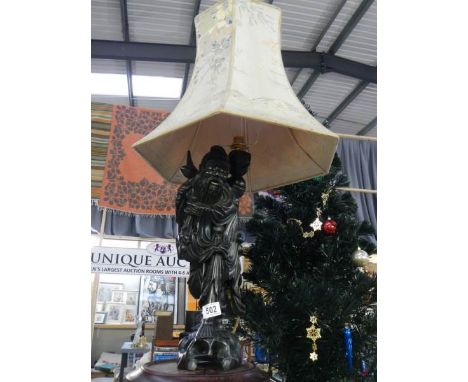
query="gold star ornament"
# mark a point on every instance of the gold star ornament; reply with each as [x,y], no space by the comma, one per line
[314,334]
[316,224]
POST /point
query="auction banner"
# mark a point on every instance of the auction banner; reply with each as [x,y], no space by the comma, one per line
[157,259]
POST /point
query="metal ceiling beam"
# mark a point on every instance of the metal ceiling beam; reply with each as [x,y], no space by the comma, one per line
[126,35]
[124,19]
[329,24]
[323,33]
[140,51]
[349,68]
[350,25]
[344,104]
[308,84]
[196,10]
[368,127]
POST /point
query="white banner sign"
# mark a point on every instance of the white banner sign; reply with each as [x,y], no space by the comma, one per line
[157,259]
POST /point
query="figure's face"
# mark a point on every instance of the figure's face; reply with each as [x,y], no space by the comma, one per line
[215,171]
[210,184]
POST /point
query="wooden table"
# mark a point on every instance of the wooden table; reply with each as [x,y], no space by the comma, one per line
[167,371]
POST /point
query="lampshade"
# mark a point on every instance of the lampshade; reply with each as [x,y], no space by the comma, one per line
[239,88]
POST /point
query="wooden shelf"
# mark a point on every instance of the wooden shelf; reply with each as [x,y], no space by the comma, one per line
[132,326]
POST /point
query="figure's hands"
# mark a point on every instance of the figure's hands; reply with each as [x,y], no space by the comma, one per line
[194,209]
[240,162]
[238,186]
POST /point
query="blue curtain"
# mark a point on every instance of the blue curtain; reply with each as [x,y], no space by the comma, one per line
[120,224]
[359,160]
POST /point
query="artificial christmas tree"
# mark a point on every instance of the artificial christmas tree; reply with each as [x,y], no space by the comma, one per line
[311,307]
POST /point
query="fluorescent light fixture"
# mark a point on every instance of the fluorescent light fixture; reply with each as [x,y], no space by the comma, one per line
[143,86]
[157,87]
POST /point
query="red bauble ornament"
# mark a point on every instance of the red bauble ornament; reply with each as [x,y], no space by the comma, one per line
[329,227]
[276,193]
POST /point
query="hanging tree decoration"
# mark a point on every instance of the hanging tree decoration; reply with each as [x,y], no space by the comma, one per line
[317,224]
[329,227]
[364,368]
[314,334]
[360,257]
[348,338]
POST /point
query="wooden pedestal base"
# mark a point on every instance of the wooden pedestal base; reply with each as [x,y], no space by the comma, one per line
[166,371]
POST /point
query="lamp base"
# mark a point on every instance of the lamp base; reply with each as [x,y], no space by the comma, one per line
[167,371]
[212,345]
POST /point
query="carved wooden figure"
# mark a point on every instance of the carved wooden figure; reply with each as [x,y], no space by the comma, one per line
[206,212]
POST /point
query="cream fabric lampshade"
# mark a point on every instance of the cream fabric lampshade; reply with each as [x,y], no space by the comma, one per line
[239,88]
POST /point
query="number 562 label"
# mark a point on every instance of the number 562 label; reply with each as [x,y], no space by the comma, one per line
[211,310]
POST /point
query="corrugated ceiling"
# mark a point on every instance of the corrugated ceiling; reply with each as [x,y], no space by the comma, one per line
[342,126]
[363,109]
[361,44]
[156,103]
[108,66]
[106,20]
[170,21]
[303,21]
[328,91]
[161,21]
[340,22]
[301,79]
[163,69]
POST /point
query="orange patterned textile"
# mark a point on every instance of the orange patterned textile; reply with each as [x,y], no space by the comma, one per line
[131,185]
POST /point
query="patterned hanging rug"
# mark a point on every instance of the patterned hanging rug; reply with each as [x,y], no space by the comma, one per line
[121,180]
[130,184]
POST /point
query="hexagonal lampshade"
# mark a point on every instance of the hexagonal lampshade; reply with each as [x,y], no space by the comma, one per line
[239,88]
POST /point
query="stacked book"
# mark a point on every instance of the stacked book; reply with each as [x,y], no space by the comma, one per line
[163,353]
[164,350]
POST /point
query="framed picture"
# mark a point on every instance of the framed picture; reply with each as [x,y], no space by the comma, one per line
[114,314]
[118,296]
[157,293]
[128,316]
[131,298]
[100,317]
[105,291]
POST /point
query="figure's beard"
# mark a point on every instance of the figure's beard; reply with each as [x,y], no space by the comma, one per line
[209,189]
